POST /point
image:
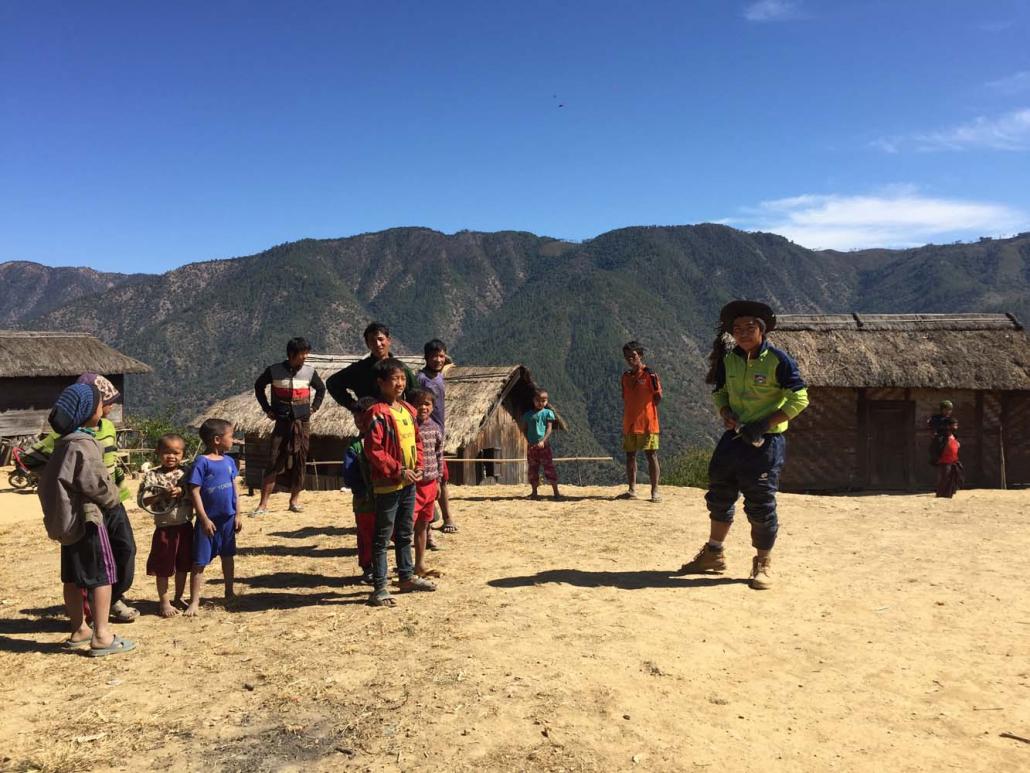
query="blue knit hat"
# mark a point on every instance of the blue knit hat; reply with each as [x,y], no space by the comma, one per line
[74,406]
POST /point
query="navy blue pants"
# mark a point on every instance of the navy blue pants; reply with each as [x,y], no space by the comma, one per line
[736,468]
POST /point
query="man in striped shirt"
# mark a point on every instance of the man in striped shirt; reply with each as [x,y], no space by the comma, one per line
[291,408]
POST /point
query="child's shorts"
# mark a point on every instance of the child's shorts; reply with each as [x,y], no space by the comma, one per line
[645,441]
[89,563]
[222,543]
[171,550]
[425,501]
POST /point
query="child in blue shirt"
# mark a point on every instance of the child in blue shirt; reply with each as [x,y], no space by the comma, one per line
[537,425]
[213,489]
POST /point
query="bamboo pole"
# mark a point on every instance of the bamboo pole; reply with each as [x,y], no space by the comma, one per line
[523,461]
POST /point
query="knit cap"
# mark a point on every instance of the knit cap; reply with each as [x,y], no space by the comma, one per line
[108,392]
[74,406]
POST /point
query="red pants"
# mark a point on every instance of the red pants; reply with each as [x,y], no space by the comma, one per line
[538,457]
[425,501]
[366,532]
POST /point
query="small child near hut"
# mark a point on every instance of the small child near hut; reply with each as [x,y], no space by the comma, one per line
[358,478]
[641,394]
[212,484]
[74,490]
[426,489]
[171,548]
[394,452]
[950,472]
[537,425]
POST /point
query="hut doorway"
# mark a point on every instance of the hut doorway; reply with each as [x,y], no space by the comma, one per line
[890,455]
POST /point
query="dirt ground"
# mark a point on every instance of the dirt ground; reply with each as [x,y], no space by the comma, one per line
[896,639]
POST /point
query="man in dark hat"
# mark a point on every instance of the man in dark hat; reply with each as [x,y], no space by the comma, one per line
[757,390]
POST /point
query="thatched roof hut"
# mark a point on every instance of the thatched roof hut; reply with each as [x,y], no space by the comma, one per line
[36,365]
[875,378]
[42,353]
[482,405]
[929,351]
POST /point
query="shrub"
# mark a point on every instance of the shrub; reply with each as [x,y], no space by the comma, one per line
[687,468]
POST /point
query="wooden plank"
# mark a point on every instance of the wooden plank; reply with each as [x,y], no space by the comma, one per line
[24,422]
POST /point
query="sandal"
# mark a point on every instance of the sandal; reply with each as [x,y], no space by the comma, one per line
[656,497]
[416,583]
[75,644]
[449,528]
[296,509]
[117,646]
[381,598]
[260,511]
[430,573]
[122,613]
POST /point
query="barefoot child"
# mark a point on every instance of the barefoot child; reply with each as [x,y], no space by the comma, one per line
[171,547]
[426,489]
[74,489]
[213,489]
[359,480]
[641,394]
[537,425]
[394,452]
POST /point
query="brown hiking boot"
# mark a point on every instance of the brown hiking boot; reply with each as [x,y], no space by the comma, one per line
[760,577]
[707,561]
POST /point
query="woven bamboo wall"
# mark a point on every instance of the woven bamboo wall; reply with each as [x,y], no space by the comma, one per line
[821,443]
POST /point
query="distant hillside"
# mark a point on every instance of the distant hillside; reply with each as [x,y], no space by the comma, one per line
[28,290]
[562,309]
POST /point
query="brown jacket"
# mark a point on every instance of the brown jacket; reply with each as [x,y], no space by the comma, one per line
[75,487]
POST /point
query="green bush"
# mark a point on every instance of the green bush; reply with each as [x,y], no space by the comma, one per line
[147,429]
[688,468]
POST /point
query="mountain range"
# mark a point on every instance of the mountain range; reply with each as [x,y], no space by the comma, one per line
[561,308]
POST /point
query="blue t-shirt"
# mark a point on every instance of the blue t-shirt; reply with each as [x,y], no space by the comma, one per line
[536,423]
[217,485]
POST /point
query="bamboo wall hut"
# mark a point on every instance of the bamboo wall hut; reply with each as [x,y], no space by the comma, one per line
[874,379]
[36,366]
[482,406]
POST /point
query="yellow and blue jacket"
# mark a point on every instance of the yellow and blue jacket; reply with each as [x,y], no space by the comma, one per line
[757,386]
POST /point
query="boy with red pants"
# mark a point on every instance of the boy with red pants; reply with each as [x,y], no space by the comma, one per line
[427,489]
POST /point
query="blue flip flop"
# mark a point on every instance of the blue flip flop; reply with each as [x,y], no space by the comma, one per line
[116,647]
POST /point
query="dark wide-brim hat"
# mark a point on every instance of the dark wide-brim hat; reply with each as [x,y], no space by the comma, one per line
[741,308]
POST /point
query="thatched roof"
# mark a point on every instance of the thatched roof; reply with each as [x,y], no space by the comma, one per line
[917,351]
[473,394]
[34,353]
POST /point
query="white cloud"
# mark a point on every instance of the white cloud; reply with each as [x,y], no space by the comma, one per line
[1012,84]
[894,217]
[773,10]
[996,26]
[1010,131]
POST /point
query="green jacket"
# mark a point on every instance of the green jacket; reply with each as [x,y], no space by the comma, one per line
[756,387]
[106,436]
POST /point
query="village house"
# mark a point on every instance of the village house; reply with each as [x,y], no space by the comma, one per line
[874,379]
[483,406]
[36,366]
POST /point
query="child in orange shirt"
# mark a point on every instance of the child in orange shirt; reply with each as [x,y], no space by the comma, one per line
[641,394]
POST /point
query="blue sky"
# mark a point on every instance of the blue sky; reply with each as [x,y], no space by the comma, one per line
[141,136]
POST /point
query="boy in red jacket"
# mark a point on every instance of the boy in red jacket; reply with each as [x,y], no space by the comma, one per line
[394,452]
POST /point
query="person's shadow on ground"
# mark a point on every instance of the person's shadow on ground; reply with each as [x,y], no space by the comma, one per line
[624,580]
[316,531]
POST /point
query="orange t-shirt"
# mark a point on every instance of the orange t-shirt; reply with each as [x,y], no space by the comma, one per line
[640,414]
